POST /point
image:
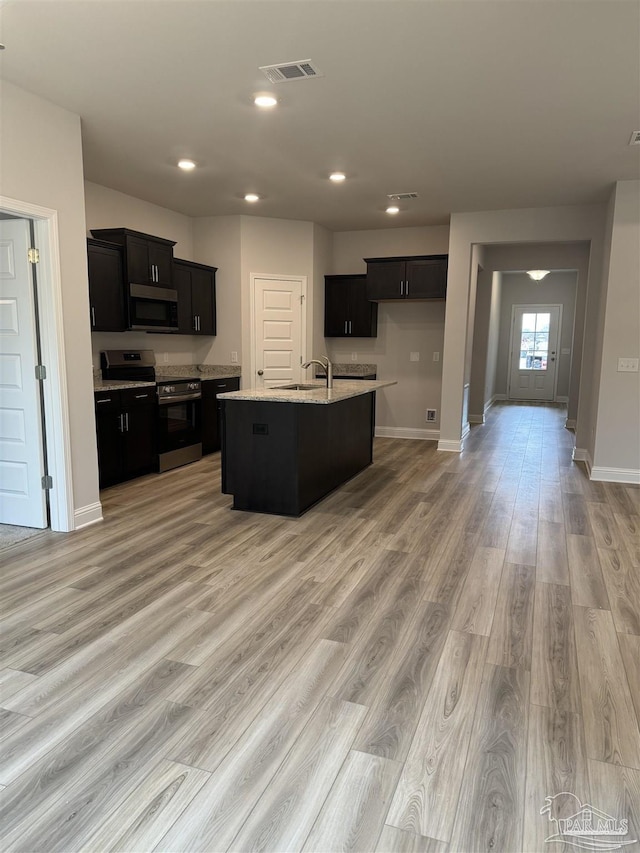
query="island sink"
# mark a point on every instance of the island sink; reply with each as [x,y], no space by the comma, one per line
[297,387]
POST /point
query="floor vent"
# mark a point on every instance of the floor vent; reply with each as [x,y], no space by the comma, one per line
[285,71]
[402,196]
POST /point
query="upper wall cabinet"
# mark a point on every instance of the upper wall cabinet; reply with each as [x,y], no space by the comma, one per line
[147,259]
[196,286]
[418,277]
[106,287]
[347,311]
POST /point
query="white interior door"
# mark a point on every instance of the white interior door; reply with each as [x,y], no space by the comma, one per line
[22,498]
[278,331]
[533,365]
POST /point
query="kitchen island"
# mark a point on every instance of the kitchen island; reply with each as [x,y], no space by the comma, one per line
[284,449]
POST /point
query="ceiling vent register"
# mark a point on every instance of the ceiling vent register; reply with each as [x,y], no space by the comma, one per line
[402,196]
[284,72]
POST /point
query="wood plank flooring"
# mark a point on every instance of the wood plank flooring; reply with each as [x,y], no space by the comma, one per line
[416,664]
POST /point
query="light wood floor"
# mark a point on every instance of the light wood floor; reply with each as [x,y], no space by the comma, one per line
[414,665]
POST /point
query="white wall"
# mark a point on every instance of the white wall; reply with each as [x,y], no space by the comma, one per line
[617,443]
[539,225]
[403,327]
[558,288]
[42,164]
[322,260]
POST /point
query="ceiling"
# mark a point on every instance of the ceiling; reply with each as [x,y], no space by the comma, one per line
[474,105]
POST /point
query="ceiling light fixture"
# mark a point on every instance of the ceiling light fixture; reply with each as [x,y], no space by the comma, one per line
[337,177]
[393,209]
[251,197]
[187,165]
[265,100]
[537,275]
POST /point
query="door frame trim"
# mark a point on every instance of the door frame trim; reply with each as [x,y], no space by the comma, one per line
[252,313]
[534,309]
[55,392]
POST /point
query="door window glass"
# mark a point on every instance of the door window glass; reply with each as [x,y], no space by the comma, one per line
[534,341]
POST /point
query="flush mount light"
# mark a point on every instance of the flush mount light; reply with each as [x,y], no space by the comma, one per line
[251,197]
[393,209]
[187,165]
[265,100]
[537,275]
[337,177]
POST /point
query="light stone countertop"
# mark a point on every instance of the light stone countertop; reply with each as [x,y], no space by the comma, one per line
[119,384]
[342,390]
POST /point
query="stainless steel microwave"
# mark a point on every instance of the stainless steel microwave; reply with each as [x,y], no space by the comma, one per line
[153,309]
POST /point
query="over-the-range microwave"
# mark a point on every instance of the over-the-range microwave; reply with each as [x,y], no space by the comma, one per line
[152,309]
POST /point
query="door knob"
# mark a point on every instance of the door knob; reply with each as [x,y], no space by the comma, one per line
[260,372]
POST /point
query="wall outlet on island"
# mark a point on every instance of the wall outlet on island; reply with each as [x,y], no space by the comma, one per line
[234,358]
[165,357]
[354,356]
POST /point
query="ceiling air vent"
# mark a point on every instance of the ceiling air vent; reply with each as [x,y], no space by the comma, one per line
[635,138]
[284,71]
[402,196]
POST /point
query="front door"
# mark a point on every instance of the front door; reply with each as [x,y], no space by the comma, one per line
[22,498]
[534,352]
[278,331]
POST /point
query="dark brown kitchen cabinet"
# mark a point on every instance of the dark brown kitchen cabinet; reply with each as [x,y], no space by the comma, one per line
[196,286]
[417,277]
[106,287]
[147,259]
[126,432]
[211,410]
[347,311]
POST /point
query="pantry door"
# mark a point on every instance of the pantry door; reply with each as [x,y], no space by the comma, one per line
[534,351]
[23,501]
[278,329]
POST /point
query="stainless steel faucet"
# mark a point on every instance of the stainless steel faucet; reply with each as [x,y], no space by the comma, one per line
[325,364]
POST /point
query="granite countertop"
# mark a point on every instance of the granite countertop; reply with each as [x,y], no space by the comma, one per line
[119,384]
[342,390]
[351,368]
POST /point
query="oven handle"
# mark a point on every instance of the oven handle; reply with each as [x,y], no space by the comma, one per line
[178,398]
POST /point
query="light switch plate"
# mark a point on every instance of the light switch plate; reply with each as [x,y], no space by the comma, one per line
[627,365]
[234,358]
[436,356]
[354,356]
[414,356]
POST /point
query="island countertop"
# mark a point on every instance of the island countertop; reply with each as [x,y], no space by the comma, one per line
[342,389]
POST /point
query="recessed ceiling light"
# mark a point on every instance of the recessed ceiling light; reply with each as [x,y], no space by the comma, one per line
[337,177]
[187,165]
[393,209]
[251,197]
[537,275]
[265,100]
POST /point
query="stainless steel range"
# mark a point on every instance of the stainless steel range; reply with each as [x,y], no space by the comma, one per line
[179,404]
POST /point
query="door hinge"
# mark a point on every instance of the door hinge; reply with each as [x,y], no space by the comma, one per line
[41,371]
[34,256]
[47,482]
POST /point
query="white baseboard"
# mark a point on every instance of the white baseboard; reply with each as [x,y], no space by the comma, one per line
[476,419]
[450,446]
[466,429]
[406,432]
[629,476]
[498,397]
[87,515]
[562,399]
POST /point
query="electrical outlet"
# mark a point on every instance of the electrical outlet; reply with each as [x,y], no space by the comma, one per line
[627,365]
[432,415]
[436,356]
[414,356]
[354,356]
[234,358]
[165,357]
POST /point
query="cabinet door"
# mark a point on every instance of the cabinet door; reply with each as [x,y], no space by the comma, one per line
[363,314]
[203,300]
[137,261]
[182,283]
[385,280]
[109,436]
[140,418]
[211,410]
[426,278]
[106,289]
[336,311]
[161,258]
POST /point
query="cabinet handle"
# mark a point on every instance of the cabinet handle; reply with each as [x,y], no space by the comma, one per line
[104,400]
[93,316]
[121,422]
[195,323]
[199,327]
[402,288]
[345,327]
[407,284]
[141,396]
[126,421]
[350,327]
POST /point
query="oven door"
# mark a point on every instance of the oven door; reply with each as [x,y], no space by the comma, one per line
[179,422]
[153,309]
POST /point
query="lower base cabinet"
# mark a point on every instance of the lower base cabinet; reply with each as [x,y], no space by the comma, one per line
[211,410]
[126,432]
